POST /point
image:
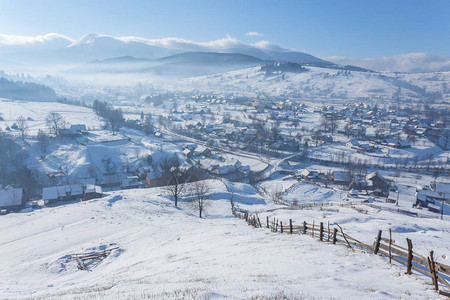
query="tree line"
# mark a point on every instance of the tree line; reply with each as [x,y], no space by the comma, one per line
[112,115]
[25,91]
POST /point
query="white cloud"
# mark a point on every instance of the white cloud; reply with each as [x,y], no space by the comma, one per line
[254,33]
[182,44]
[266,45]
[8,39]
[409,62]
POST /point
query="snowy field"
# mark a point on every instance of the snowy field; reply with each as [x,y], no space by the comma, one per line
[170,253]
[11,110]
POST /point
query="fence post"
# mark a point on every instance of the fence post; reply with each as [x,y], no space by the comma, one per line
[328,239]
[267,220]
[410,256]
[390,243]
[304,227]
[276,227]
[321,232]
[334,235]
[433,271]
[281,226]
[290,226]
[377,242]
[313,229]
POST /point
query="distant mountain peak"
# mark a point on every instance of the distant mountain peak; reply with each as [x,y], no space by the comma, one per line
[87,39]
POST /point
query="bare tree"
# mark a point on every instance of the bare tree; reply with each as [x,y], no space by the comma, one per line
[202,200]
[277,195]
[55,122]
[43,140]
[175,177]
[137,152]
[175,187]
[22,126]
[330,122]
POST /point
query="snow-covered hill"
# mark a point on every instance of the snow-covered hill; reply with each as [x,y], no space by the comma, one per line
[314,83]
[169,253]
[82,156]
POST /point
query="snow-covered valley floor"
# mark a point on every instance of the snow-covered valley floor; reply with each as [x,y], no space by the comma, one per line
[169,253]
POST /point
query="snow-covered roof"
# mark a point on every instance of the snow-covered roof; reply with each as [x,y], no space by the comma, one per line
[341,176]
[76,189]
[434,206]
[78,127]
[443,187]
[11,196]
[305,172]
[61,191]
[373,175]
[91,188]
[431,194]
[50,193]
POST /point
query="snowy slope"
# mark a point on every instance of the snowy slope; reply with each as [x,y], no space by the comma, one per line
[11,110]
[170,253]
[315,83]
[81,156]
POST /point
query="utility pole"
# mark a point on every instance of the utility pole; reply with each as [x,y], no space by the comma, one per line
[442,207]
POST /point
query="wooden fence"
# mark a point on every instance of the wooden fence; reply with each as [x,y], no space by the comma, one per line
[353,205]
[384,246]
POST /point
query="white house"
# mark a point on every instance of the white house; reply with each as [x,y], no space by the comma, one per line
[62,192]
[11,197]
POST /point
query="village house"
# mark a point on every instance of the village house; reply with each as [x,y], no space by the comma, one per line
[374,181]
[353,144]
[427,196]
[110,180]
[371,182]
[143,171]
[341,177]
[11,198]
[131,182]
[310,174]
[92,192]
[394,143]
[71,192]
[73,131]
[188,153]
[62,192]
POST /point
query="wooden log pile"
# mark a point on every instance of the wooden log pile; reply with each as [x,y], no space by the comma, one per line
[84,260]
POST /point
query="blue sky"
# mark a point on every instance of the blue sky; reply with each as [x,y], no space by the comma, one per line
[323,28]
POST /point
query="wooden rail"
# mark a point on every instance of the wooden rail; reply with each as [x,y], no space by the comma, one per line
[384,246]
